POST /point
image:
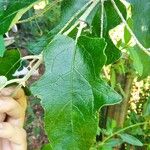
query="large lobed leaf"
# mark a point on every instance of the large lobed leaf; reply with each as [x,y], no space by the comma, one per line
[72,91]
[130,139]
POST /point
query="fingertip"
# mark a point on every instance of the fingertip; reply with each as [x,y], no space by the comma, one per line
[12,133]
[7,91]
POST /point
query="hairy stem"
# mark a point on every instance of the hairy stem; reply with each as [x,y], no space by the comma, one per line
[102,18]
[129,29]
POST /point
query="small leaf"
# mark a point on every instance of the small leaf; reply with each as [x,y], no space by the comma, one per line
[13,12]
[3,80]
[113,142]
[9,63]
[127,35]
[141,61]
[130,139]
[146,109]
[105,147]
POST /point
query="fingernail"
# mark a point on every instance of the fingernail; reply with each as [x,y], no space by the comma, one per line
[1,126]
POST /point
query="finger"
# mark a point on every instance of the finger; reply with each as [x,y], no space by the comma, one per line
[2,117]
[18,95]
[8,91]
[13,110]
[17,136]
[9,106]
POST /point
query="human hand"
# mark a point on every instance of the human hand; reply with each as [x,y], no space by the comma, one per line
[12,114]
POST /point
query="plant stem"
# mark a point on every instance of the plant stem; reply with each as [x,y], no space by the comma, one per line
[31,57]
[121,90]
[71,28]
[83,17]
[129,29]
[126,128]
[37,64]
[102,18]
[80,28]
[123,106]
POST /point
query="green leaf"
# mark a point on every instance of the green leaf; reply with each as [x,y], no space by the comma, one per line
[104,147]
[113,142]
[9,63]
[70,88]
[68,100]
[141,20]
[111,20]
[2,46]
[141,61]
[130,139]
[46,147]
[13,12]
[127,35]
[146,109]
